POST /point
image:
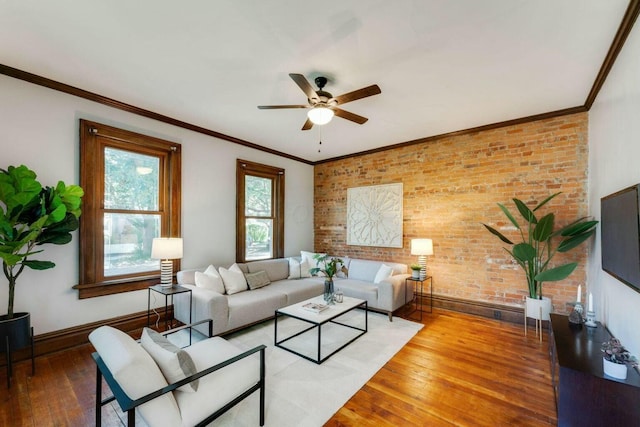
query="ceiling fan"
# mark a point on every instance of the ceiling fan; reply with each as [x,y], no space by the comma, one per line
[323,105]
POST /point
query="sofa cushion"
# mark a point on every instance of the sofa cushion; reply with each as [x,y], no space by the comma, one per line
[366,270]
[359,289]
[342,267]
[137,374]
[383,273]
[257,280]
[277,269]
[249,307]
[299,290]
[210,279]
[298,269]
[174,363]
[220,387]
[312,261]
[233,279]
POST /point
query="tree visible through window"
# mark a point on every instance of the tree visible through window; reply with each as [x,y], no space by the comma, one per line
[260,211]
[131,206]
[132,186]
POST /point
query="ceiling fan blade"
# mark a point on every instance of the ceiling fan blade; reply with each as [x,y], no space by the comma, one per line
[358,94]
[304,85]
[275,107]
[307,125]
[350,116]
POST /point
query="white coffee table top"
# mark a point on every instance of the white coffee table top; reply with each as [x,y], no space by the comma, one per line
[335,310]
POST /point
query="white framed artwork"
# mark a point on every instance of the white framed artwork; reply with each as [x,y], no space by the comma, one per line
[374,215]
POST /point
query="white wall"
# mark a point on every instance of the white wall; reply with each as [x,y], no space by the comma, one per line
[39,128]
[614,163]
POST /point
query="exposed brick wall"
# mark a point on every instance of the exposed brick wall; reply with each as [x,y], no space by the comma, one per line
[451,186]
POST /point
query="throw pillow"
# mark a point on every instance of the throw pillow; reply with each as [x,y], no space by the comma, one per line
[210,279]
[175,363]
[298,269]
[233,279]
[343,271]
[258,279]
[384,272]
[309,257]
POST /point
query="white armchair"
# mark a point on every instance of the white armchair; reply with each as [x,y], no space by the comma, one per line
[172,386]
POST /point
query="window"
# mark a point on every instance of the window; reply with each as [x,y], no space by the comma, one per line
[132,194]
[259,212]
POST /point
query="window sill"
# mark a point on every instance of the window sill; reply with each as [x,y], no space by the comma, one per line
[91,290]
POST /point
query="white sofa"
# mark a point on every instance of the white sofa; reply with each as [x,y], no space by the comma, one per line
[238,310]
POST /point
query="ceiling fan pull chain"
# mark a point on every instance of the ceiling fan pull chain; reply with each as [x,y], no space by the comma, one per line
[320,143]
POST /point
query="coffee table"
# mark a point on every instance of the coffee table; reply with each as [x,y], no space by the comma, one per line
[318,320]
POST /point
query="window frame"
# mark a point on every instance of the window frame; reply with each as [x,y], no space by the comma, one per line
[94,137]
[277,175]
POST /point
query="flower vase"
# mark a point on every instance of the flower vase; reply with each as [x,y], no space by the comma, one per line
[328,291]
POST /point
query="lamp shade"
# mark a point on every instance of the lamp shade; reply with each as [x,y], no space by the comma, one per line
[320,115]
[166,248]
[421,247]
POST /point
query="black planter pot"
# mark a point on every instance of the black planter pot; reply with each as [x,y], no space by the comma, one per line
[18,329]
[15,334]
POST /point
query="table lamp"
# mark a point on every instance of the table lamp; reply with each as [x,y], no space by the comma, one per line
[422,248]
[166,249]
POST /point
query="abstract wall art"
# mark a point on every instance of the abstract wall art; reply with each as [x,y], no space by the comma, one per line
[374,215]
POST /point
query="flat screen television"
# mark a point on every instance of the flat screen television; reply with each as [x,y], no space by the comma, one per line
[620,235]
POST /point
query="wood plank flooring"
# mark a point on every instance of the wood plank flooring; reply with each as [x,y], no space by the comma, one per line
[460,370]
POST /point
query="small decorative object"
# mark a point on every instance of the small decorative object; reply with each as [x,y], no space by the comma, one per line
[339,296]
[591,315]
[329,269]
[422,248]
[166,249]
[576,316]
[616,358]
[415,271]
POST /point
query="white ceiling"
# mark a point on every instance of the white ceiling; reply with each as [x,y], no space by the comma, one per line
[442,65]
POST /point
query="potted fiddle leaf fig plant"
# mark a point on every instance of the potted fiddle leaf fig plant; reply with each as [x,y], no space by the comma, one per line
[31,215]
[536,249]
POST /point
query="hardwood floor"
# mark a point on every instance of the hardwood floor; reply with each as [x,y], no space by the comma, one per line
[460,370]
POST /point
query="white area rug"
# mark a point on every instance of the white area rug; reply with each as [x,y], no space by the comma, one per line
[301,393]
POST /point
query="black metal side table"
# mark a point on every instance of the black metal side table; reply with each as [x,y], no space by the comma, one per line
[418,296]
[168,291]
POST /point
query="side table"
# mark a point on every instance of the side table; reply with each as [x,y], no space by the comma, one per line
[418,296]
[168,291]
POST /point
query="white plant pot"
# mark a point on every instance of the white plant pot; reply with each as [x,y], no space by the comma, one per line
[533,307]
[415,274]
[614,370]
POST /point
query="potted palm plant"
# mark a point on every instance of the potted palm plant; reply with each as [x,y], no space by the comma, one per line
[30,216]
[536,250]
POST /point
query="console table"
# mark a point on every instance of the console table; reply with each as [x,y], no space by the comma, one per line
[584,395]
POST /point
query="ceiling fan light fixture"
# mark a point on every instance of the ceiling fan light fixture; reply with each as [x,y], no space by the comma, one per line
[320,115]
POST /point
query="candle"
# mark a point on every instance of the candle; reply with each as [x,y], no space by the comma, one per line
[579,293]
[590,301]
